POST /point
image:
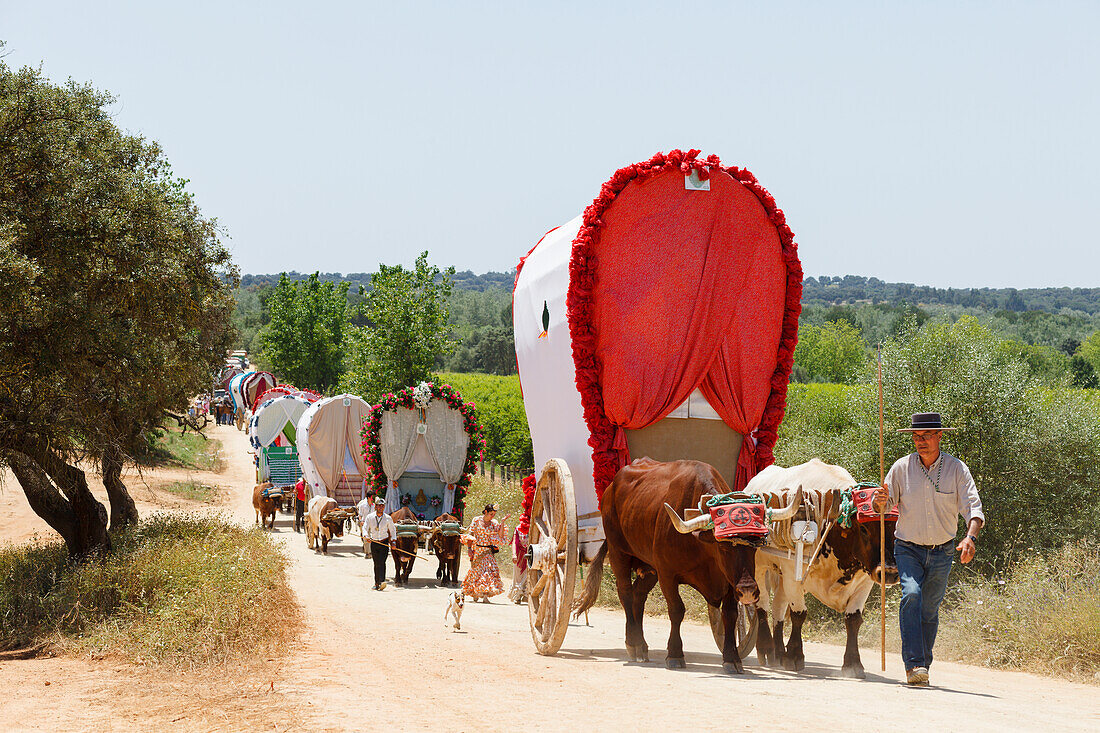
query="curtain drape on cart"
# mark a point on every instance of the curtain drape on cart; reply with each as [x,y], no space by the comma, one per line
[398,441]
[447,443]
[655,341]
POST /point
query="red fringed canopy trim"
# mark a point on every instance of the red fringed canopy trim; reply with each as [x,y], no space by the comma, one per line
[582,274]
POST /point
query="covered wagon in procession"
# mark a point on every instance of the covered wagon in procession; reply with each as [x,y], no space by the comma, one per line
[272,432]
[660,323]
[421,446]
[332,463]
[244,389]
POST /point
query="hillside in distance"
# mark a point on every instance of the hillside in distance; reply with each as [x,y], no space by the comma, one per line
[822,290]
[849,289]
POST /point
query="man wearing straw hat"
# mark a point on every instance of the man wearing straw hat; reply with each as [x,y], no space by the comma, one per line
[931,489]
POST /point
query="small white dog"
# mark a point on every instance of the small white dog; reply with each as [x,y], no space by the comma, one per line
[455,604]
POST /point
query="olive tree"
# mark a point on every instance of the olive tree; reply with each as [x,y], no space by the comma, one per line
[115,297]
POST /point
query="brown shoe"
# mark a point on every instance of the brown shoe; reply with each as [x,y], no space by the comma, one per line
[917,677]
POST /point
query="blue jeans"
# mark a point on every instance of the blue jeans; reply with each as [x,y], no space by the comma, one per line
[923,574]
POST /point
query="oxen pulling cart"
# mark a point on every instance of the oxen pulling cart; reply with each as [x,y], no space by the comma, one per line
[661,323]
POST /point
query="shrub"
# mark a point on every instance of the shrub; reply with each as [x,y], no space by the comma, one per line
[179,589]
[1034,450]
[1043,617]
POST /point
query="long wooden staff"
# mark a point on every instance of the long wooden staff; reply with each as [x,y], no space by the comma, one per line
[881,518]
[398,549]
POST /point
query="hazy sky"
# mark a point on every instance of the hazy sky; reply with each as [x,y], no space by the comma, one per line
[942,143]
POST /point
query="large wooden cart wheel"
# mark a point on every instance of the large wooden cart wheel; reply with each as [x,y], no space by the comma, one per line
[746,628]
[552,556]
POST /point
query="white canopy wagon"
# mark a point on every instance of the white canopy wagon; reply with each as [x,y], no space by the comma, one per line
[662,322]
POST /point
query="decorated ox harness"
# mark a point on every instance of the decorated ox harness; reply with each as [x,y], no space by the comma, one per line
[739,518]
[858,502]
[407,529]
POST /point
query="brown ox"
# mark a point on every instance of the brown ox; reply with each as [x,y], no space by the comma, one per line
[447,546]
[841,577]
[266,499]
[319,528]
[408,543]
[644,541]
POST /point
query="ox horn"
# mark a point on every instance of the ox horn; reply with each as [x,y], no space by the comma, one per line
[776,515]
[703,521]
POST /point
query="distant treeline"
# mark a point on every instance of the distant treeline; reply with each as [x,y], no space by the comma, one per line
[823,290]
[852,289]
[465,280]
[843,318]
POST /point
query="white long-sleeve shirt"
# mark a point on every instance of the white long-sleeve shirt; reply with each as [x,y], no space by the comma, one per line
[928,512]
[380,528]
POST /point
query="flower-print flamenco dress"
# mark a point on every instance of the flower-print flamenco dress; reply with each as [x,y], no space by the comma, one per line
[483,578]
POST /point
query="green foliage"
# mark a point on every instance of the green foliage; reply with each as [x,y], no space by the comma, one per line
[1082,374]
[1089,350]
[483,323]
[304,340]
[408,329]
[1048,364]
[857,289]
[1034,450]
[832,353]
[181,590]
[503,418]
[250,315]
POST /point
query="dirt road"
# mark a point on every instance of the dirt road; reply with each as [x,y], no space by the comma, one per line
[384,660]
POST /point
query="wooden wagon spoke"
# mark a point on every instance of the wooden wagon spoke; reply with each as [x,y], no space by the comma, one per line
[544,605]
[537,590]
[544,530]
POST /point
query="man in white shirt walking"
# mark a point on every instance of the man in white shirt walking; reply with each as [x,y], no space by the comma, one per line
[380,534]
[931,489]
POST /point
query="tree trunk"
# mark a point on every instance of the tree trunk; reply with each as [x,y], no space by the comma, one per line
[77,515]
[123,509]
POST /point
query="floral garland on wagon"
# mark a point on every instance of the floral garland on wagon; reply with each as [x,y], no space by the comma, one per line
[419,397]
[582,271]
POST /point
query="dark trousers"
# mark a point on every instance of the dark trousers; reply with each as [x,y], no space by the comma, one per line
[380,554]
[299,513]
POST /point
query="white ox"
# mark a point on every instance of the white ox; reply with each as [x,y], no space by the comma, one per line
[843,570]
[320,529]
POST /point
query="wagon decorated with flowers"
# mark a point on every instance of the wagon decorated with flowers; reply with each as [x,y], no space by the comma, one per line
[421,446]
[662,322]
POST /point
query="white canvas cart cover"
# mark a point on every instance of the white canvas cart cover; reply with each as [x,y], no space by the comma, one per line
[276,422]
[236,386]
[329,448]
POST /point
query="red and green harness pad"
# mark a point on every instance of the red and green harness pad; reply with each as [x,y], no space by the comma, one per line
[863,495]
[738,517]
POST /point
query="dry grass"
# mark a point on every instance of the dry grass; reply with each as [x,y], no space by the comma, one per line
[181,590]
[168,447]
[1043,617]
[193,490]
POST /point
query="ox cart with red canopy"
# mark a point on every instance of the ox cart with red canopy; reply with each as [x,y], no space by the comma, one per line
[662,322]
